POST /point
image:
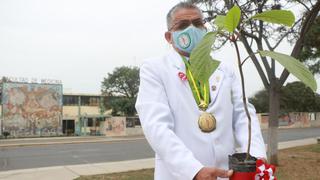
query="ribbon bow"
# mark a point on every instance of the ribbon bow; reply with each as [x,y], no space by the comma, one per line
[265,171]
[182,76]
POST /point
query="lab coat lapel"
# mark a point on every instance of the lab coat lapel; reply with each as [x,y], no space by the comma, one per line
[182,85]
[177,62]
[179,66]
[215,82]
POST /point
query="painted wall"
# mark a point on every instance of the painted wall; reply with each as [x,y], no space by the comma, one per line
[72,111]
[293,120]
[32,109]
[114,126]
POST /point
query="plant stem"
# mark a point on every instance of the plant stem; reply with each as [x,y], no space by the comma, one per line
[247,58]
[244,98]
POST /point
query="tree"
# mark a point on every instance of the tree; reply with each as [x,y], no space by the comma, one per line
[257,36]
[123,105]
[260,101]
[122,87]
[295,97]
[311,48]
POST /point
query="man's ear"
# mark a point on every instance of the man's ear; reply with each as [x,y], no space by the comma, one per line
[168,37]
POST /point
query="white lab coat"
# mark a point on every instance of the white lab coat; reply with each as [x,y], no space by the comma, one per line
[169,117]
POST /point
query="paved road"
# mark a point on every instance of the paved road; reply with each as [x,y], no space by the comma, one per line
[294,134]
[67,154]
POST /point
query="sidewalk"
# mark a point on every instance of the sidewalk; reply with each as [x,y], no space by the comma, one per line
[74,171]
[64,140]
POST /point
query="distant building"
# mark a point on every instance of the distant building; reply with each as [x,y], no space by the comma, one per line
[83,113]
[41,109]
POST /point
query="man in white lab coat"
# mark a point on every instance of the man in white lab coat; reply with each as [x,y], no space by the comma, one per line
[169,113]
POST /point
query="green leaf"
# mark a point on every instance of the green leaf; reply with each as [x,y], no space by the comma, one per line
[232,19]
[294,66]
[202,64]
[219,21]
[276,16]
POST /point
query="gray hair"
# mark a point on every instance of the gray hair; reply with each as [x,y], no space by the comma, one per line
[174,9]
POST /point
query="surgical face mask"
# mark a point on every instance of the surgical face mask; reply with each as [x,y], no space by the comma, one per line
[187,39]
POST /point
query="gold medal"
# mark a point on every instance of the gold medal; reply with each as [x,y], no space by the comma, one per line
[207,122]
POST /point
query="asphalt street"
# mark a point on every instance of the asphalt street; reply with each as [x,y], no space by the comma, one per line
[294,134]
[12,158]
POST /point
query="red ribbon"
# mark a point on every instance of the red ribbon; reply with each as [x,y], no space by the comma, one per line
[182,76]
[265,171]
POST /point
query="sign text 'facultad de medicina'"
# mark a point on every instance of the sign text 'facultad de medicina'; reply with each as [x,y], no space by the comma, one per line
[31,80]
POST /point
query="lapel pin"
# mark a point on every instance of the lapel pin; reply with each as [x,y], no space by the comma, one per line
[218,78]
[213,87]
[182,76]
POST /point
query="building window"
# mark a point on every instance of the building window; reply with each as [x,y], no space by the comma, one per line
[90,100]
[84,101]
[90,122]
[70,100]
[94,101]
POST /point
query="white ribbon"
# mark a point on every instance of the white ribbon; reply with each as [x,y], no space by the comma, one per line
[262,169]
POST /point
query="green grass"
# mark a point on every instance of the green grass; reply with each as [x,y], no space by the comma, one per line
[315,149]
[299,163]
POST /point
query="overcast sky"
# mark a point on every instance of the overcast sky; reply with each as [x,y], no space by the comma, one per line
[80,41]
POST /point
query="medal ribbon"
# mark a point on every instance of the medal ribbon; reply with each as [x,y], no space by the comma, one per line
[200,90]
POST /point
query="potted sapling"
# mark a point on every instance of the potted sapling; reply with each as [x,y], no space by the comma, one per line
[244,165]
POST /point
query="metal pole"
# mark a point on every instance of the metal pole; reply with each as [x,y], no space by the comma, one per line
[85,125]
[79,115]
[2,114]
[95,127]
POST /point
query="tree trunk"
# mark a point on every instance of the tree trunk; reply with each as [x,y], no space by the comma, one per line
[274,106]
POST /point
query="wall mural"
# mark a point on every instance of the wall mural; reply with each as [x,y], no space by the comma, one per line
[115,126]
[32,109]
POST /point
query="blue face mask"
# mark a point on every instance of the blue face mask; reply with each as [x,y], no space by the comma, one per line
[187,39]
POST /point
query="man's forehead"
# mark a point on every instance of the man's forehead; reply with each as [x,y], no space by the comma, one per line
[186,13]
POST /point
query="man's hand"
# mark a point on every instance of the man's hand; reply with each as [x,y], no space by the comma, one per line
[211,173]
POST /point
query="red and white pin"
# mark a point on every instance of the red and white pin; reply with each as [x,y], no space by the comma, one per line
[182,76]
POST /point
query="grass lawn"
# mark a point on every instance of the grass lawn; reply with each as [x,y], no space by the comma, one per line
[299,163]
[295,164]
[145,174]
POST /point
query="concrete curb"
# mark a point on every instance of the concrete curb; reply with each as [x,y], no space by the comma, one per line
[295,143]
[69,141]
[74,171]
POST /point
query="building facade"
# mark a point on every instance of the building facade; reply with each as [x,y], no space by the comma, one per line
[30,109]
[84,114]
[41,109]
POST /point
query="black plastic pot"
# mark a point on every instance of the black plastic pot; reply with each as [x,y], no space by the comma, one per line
[242,169]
